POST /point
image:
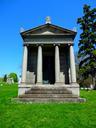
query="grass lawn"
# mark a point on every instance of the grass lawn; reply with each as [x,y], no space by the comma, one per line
[49,115]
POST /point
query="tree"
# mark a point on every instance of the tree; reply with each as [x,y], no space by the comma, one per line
[14,76]
[5,78]
[87,43]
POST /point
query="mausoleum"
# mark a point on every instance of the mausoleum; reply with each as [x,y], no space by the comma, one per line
[48,63]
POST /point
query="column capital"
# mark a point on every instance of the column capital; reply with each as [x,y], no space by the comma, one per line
[56,44]
[71,44]
[25,45]
[39,44]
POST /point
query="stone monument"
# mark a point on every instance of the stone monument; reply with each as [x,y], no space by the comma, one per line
[48,67]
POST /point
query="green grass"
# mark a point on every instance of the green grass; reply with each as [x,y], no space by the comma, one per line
[49,115]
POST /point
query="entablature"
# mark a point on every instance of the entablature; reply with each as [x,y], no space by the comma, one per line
[48,41]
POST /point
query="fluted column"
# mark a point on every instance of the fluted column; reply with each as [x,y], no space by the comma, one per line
[39,65]
[57,64]
[24,64]
[72,65]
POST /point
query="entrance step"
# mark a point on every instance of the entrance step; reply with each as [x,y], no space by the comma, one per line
[48,94]
[47,100]
[48,91]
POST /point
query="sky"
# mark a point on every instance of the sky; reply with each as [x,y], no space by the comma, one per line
[15,14]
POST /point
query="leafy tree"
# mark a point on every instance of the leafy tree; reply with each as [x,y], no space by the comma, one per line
[14,76]
[87,43]
[5,78]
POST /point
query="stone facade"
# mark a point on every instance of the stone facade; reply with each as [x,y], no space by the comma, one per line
[48,58]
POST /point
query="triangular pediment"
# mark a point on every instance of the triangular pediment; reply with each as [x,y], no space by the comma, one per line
[47,33]
[48,29]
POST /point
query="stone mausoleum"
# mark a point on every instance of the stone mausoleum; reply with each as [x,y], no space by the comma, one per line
[48,68]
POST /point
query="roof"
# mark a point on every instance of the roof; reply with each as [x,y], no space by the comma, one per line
[48,29]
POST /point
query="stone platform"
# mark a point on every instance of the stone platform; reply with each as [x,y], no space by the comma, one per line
[49,93]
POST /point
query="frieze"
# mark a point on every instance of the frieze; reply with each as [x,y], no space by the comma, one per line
[48,41]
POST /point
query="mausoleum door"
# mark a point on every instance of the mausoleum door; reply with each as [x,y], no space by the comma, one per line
[48,70]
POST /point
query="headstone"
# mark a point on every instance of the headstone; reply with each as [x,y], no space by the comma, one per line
[10,80]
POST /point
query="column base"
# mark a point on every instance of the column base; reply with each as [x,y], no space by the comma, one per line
[39,83]
[22,82]
[58,83]
[73,83]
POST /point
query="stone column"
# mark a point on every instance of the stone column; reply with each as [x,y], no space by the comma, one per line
[57,65]
[72,65]
[39,65]
[24,64]
[69,76]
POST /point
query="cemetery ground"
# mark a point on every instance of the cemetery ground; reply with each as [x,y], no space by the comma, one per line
[46,115]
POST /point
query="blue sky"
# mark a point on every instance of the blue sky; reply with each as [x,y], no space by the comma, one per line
[15,14]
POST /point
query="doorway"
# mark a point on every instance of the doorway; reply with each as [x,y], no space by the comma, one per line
[48,69]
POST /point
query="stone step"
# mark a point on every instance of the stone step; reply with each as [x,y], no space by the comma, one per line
[46,100]
[48,92]
[48,88]
[48,96]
